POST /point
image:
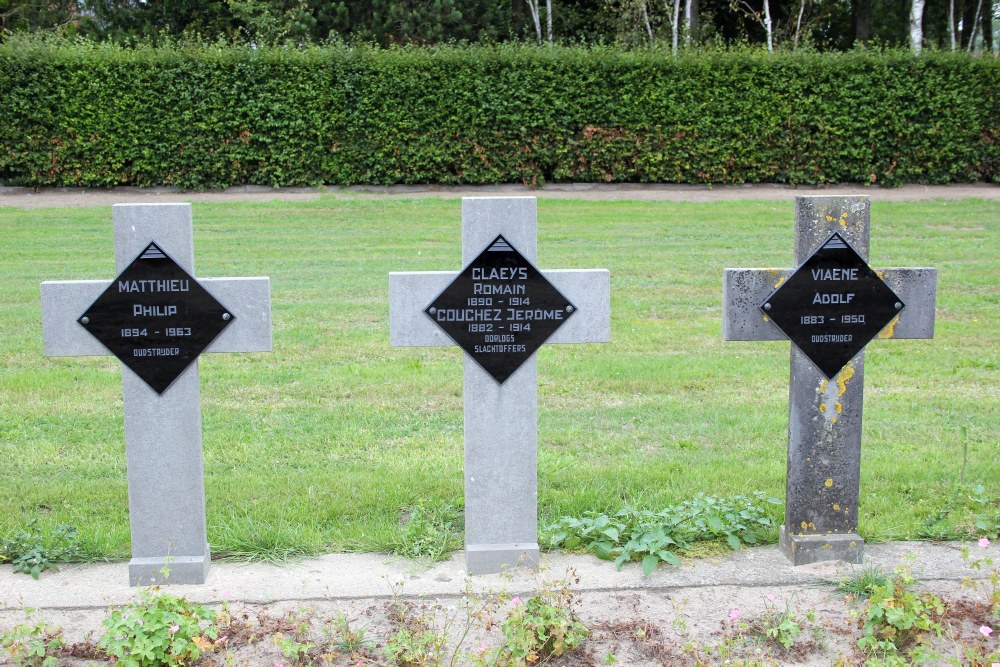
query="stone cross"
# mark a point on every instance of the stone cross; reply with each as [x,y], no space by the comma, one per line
[163,448]
[824,424]
[501,418]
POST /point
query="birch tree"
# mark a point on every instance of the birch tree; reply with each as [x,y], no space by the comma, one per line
[675,22]
[690,19]
[951,23]
[763,18]
[798,22]
[975,25]
[548,18]
[917,26]
[536,17]
[645,19]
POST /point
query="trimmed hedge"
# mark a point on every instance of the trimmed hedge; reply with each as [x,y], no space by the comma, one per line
[83,114]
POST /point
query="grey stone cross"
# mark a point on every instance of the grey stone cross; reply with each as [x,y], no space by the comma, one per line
[163,448]
[501,419]
[824,423]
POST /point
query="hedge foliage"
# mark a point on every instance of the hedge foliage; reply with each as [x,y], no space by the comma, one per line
[84,114]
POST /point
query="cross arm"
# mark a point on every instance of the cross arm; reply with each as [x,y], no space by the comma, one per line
[409,294]
[62,303]
[744,290]
[590,292]
[248,299]
[411,291]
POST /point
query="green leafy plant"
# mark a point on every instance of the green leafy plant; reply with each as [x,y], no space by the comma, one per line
[32,551]
[541,627]
[415,642]
[416,646]
[292,648]
[966,513]
[779,627]
[655,537]
[347,639]
[984,562]
[159,629]
[986,512]
[32,645]
[897,620]
[864,582]
[428,534]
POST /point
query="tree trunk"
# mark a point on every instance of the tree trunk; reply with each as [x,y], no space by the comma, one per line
[675,23]
[968,20]
[798,23]
[690,20]
[975,26]
[988,28]
[767,24]
[548,18]
[862,19]
[645,18]
[535,17]
[917,26]
[951,23]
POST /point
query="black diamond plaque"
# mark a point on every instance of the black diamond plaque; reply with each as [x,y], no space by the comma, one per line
[832,306]
[500,309]
[156,318]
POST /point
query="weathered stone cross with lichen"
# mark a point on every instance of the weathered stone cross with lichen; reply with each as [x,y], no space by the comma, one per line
[830,307]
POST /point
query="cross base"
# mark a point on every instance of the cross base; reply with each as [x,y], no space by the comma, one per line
[808,549]
[160,570]
[493,558]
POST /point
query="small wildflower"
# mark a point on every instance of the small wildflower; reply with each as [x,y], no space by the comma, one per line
[984,542]
[985,630]
[174,629]
[770,597]
[734,614]
[515,601]
[227,594]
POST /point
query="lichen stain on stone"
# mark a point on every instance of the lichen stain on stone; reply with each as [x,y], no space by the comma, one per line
[805,526]
[775,276]
[845,375]
[828,483]
[890,329]
[829,406]
[826,546]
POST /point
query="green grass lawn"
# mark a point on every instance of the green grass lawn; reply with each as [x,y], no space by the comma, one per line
[320,445]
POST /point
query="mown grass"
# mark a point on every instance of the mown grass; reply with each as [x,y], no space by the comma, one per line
[320,445]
